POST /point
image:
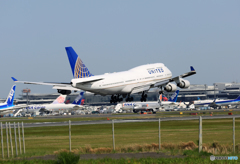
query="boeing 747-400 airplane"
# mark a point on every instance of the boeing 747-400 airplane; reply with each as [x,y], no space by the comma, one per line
[136,80]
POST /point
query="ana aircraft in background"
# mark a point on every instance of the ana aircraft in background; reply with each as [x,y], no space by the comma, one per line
[58,105]
[148,106]
[7,106]
[120,84]
[217,102]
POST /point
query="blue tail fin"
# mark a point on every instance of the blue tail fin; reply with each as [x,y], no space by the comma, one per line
[78,99]
[198,98]
[238,98]
[174,97]
[11,96]
[79,69]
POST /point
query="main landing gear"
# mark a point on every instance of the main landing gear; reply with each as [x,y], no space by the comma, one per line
[161,91]
[144,97]
[115,99]
[129,99]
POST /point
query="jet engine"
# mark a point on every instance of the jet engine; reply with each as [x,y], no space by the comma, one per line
[183,84]
[64,92]
[170,87]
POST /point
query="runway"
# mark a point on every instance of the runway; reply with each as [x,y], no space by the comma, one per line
[66,123]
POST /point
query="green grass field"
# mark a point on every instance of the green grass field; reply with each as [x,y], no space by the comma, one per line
[46,140]
[118,116]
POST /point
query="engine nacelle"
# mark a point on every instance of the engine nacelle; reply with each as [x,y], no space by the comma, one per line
[170,87]
[183,84]
[64,92]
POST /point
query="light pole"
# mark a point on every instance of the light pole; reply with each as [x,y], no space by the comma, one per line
[26,91]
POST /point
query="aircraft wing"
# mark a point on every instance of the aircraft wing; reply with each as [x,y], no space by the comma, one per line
[192,72]
[176,79]
[63,86]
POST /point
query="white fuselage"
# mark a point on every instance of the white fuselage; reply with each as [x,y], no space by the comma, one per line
[144,105]
[124,82]
[52,107]
[219,102]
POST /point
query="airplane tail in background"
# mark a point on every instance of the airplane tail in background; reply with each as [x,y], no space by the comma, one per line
[82,102]
[60,99]
[160,99]
[164,98]
[79,69]
[238,98]
[11,96]
[174,97]
[78,100]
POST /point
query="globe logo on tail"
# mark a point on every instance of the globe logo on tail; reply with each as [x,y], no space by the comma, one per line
[80,70]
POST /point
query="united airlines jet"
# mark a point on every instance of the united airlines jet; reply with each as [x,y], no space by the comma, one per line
[120,84]
[8,106]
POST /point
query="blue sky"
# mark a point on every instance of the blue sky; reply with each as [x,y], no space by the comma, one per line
[111,36]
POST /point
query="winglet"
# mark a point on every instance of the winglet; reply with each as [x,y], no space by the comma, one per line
[192,69]
[15,80]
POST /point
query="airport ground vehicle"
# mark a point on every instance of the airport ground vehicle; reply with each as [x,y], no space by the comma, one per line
[95,112]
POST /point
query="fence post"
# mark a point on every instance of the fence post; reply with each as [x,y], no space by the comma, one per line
[23,138]
[10,137]
[113,135]
[15,136]
[159,135]
[7,140]
[19,139]
[69,135]
[200,134]
[2,142]
[234,135]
